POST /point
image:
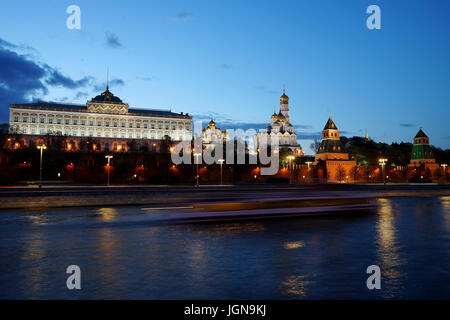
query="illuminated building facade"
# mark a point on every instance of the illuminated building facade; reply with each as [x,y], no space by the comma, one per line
[281,127]
[105,117]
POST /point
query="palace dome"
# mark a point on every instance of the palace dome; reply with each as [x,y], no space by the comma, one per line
[107,97]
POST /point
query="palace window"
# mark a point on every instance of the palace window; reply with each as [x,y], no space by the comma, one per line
[122,135]
[33,130]
[24,118]
[75,122]
[58,121]
[99,123]
[115,124]
[130,124]
[130,135]
[107,123]
[74,132]
[66,132]
[82,133]
[138,136]
[42,120]
[115,134]
[50,120]
[153,126]
[33,120]
[145,125]
[16,118]
[138,125]
[180,127]
[91,133]
[83,122]
[67,122]
[123,124]
[41,131]
[91,123]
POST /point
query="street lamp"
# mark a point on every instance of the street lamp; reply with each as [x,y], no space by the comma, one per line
[308,163]
[109,159]
[221,161]
[444,166]
[42,148]
[290,170]
[196,161]
[382,163]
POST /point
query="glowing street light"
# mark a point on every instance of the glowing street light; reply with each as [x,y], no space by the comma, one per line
[290,170]
[196,161]
[221,161]
[308,163]
[108,165]
[444,166]
[42,148]
[382,163]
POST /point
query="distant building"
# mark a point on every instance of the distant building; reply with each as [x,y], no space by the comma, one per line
[422,162]
[281,127]
[421,152]
[331,158]
[211,135]
[105,117]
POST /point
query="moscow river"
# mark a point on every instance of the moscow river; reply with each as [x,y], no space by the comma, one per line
[122,255]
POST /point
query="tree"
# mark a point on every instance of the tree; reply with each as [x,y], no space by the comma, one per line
[340,173]
[315,146]
[166,144]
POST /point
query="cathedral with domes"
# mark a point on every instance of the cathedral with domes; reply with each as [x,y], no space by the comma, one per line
[281,127]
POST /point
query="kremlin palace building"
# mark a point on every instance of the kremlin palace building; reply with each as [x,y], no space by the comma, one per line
[106,118]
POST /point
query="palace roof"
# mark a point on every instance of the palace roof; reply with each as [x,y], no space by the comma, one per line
[82,108]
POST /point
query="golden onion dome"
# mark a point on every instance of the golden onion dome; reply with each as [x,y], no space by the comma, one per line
[284,97]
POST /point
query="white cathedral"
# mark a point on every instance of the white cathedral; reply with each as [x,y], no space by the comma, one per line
[281,127]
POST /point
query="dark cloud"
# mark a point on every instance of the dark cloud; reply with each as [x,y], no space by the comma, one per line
[112,40]
[112,84]
[80,95]
[183,15]
[23,79]
[56,78]
[407,125]
[308,135]
[266,90]
[147,79]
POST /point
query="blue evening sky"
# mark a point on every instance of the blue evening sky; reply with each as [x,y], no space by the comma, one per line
[230,60]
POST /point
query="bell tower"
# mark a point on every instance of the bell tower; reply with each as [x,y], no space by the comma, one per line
[284,106]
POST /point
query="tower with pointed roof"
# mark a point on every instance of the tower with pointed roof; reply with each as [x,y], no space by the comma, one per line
[421,152]
[332,161]
[331,146]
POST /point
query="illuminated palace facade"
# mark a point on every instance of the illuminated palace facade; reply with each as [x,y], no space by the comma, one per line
[105,118]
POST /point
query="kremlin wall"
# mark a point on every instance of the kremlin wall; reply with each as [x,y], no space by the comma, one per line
[78,137]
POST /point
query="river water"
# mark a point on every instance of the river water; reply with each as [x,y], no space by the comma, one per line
[123,256]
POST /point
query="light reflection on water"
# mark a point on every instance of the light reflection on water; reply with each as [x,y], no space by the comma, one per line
[121,255]
[388,249]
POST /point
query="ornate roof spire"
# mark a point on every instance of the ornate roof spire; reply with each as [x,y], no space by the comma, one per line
[107,79]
